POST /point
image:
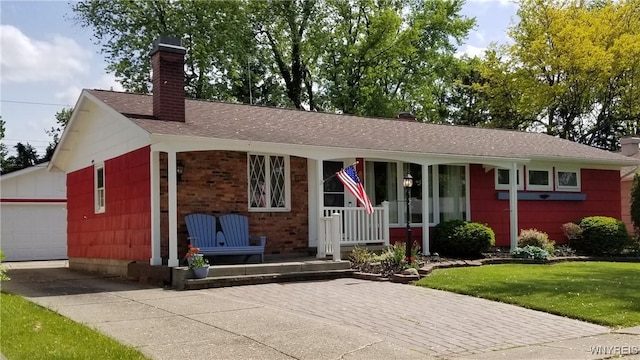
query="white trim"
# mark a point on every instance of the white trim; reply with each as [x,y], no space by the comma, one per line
[154,168]
[548,187]
[513,207]
[99,193]
[172,189]
[567,188]
[499,186]
[267,176]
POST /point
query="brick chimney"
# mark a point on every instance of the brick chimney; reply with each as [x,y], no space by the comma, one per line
[167,62]
[629,145]
[407,116]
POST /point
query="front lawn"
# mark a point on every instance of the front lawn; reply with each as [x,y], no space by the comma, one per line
[33,332]
[606,293]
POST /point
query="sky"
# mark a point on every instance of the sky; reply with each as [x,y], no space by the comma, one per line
[46,59]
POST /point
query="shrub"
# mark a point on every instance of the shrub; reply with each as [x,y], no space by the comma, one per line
[360,257]
[461,238]
[537,238]
[564,250]
[530,252]
[572,231]
[601,235]
[3,273]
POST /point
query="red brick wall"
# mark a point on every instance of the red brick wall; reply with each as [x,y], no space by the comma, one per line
[215,182]
[123,231]
[602,188]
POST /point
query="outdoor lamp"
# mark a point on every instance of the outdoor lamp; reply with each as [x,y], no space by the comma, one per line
[407,183]
[179,169]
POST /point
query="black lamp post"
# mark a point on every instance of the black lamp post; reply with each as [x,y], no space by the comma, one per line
[407,183]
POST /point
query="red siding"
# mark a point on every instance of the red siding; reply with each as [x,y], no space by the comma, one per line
[123,231]
[602,188]
[625,195]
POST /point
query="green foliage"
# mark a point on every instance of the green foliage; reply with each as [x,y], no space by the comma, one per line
[564,250]
[530,252]
[572,231]
[537,238]
[3,271]
[599,292]
[570,70]
[601,235]
[635,202]
[25,324]
[360,257]
[359,57]
[461,238]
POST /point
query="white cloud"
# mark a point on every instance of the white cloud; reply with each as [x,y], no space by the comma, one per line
[25,60]
[471,51]
[70,94]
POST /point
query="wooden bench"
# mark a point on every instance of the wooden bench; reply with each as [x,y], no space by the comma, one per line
[232,240]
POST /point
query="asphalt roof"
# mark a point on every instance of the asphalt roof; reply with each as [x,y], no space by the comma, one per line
[211,119]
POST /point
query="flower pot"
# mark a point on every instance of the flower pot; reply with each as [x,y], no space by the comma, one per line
[201,272]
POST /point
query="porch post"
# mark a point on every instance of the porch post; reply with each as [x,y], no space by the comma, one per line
[319,200]
[173,210]
[156,258]
[425,210]
[513,205]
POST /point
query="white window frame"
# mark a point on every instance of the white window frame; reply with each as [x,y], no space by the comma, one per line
[548,187]
[100,193]
[287,184]
[567,188]
[499,186]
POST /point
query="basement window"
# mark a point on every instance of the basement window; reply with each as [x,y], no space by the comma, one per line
[567,179]
[99,196]
[539,179]
[269,182]
[502,179]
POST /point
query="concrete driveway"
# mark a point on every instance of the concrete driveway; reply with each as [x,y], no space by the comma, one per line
[337,319]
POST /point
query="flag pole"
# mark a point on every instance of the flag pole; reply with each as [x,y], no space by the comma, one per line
[332,176]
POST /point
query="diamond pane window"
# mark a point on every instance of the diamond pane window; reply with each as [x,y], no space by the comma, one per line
[268,182]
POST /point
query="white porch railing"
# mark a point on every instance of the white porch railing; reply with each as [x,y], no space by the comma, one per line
[352,226]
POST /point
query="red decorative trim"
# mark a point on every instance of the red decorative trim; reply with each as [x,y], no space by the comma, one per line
[33,200]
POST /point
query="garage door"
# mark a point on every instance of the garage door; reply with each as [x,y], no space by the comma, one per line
[33,231]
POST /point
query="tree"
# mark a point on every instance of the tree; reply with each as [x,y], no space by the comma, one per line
[359,56]
[62,119]
[572,71]
[3,148]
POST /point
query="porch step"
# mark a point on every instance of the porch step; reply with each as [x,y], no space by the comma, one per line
[247,274]
[224,281]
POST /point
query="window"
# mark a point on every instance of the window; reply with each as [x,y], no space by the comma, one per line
[567,180]
[381,184]
[416,192]
[502,179]
[333,187]
[539,179]
[268,182]
[452,191]
[99,196]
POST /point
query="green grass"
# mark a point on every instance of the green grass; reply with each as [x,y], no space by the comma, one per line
[29,331]
[604,293]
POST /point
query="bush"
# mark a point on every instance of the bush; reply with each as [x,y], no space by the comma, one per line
[530,252]
[564,250]
[572,231]
[3,273]
[360,257]
[461,238]
[537,238]
[601,235]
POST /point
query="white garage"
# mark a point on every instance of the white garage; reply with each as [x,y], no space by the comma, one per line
[33,214]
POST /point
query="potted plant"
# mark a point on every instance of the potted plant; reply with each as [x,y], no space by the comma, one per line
[197,263]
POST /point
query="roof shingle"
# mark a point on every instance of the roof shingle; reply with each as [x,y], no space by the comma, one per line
[212,119]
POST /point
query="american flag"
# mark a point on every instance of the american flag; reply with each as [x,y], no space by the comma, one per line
[349,178]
